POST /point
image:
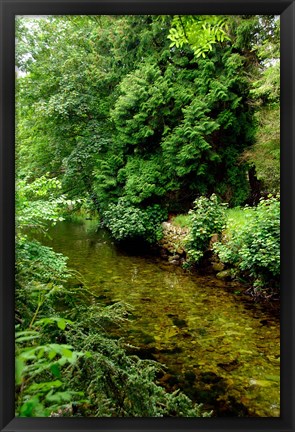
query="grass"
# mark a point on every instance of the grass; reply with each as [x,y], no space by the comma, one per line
[181,220]
[236,219]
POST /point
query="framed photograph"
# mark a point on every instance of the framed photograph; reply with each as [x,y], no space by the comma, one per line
[147,207]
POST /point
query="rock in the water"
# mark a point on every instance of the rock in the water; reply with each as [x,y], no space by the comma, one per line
[174,257]
[218,266]
[225,275]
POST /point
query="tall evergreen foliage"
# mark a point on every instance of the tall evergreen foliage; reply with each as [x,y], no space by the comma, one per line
[110,107]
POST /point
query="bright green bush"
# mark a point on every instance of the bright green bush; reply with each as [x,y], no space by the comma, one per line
[207,218]
[125,221]
[254,248]
[41,384]
[38,203]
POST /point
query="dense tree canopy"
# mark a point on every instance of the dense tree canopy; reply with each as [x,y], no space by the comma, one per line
[127,106]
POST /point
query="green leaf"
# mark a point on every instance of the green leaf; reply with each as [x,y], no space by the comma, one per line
[29,408]
[26,338]
[61,323]
[67,353]
[19,369]
[44,387]
[55,370]
[62,397]
[52,354]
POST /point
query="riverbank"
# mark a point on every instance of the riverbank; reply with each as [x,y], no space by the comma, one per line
[174,246]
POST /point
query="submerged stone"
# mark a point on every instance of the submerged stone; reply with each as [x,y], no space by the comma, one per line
[180,323]
[225,275]
[218,266]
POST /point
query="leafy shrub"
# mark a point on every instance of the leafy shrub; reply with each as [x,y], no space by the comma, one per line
[38,203]
[207,218]
[40,262]
[125,221]
[145,179]
[254,248]
[40,274]
[40,386]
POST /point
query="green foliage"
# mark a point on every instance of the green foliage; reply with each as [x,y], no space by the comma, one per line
[201,32]
[148,121]
[35,363]
[254,248]
[206,218]
[265,94]
[267,87]
[125,112]
[265,153]
[63,100]
[40,273]
[38,203]
[125,221]
[78,166]
[40,262]
[190,118]
[144,179]
[138,109]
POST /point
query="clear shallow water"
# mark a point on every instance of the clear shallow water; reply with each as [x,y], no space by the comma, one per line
[219,349]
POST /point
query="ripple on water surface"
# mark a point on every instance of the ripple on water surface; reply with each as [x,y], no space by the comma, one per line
[217,349]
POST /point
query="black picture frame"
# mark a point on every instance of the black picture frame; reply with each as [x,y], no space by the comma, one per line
[8,10]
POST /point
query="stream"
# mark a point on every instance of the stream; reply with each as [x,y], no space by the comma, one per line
[219,347]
